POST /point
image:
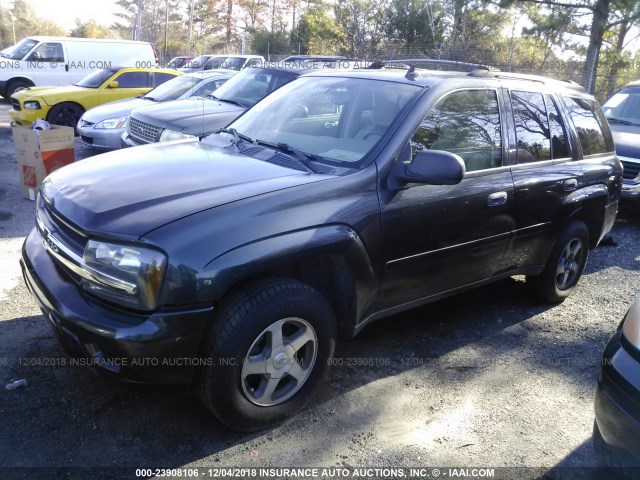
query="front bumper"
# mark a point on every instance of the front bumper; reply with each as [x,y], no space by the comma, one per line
[159,348]
[102,138]
[630,191]
[617,403]
[127,141]
[25,117]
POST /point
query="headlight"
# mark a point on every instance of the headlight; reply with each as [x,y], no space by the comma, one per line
[32,105]
[115,122]
[129,275]
[168,135]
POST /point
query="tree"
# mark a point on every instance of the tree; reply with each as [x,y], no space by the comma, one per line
[319,33]
[91,29]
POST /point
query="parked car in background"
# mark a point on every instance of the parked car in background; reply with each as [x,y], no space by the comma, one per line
[41,61]
[203,62]
[617,406]
[102,127]
[202,116]
[623,114]
[341,198]
[177,62]
[65,105]
[238,62]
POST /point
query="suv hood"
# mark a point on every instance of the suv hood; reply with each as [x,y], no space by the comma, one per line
[188,116]
[627,140]
[128,193]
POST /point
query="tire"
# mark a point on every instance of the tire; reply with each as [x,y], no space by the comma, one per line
[16,85]
[564,266]
[65,114]
[266,353]
[621,467]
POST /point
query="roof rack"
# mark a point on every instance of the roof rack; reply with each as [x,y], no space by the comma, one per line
[405,62]
[525,76]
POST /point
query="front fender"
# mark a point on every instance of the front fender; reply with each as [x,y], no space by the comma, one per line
[277,252]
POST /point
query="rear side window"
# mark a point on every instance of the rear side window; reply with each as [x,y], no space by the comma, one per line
[466,123]
[589,120]
[532,127]
[559,145]
[133,80]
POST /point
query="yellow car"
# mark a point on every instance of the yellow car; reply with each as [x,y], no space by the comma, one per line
[65,105]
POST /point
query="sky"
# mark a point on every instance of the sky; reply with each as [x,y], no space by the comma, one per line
[65,12]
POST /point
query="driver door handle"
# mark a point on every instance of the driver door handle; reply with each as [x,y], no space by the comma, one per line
[496,199]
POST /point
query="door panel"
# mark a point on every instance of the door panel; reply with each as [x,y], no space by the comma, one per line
[438,238]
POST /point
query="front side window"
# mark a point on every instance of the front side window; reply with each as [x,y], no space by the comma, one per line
[588,120]
[133,80]
[47,52]
[466,123]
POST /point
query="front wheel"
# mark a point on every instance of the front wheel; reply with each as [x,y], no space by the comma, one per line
[565,265]
[65,114]
[266,354]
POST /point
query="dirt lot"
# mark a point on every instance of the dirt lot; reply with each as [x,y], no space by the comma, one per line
[487,379]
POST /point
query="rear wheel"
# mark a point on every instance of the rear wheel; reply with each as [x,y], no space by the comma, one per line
[565,265]
[65,114]
[266,354]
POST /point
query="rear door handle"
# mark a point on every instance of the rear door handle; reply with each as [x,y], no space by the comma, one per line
[496,199]
[570,185]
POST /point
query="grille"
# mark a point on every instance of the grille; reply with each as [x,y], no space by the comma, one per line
[86,139]
[143,131]
[16,104]
[631,170]
[70,242]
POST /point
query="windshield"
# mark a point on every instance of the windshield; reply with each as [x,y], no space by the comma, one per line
[233,63]
[204,60]
[252,84]
[96,78]
[624,106]
[20,49]
[335,120]
[173,88]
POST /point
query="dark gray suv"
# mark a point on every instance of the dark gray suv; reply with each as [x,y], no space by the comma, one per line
[236,260]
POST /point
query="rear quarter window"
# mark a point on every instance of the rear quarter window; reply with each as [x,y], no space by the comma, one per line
[590,124]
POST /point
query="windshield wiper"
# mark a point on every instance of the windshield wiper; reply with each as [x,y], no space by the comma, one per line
[227,100]
[150,98]
[302,157]
[237,137]
[620,121]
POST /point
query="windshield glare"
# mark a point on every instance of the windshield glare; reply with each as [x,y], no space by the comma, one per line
[173,88]
[96,78]
[338,119]
[624,105]
[20,49]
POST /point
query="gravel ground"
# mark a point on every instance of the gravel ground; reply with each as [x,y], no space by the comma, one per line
[490,378]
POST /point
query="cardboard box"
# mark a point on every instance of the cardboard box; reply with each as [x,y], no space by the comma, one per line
[40,152]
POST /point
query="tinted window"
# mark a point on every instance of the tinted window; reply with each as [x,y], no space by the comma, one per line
[559,146]
[252,84]
[466,123]
[532,127]
[133,80]
[160,78]
[588,121]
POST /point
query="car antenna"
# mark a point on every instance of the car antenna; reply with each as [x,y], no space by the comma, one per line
[411,73]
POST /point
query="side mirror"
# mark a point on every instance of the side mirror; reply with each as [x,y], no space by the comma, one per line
[431,167]
[113,84]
